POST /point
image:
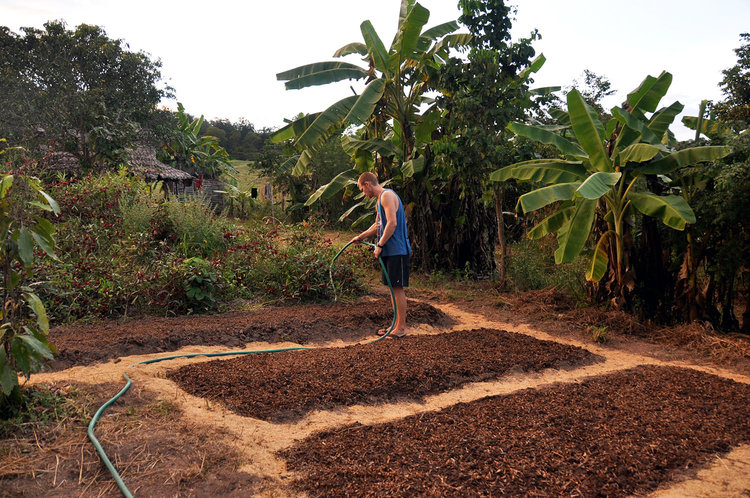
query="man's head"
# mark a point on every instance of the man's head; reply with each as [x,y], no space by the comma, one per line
[368,184]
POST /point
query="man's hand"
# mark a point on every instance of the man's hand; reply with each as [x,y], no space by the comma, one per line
[355,239]
[377,251]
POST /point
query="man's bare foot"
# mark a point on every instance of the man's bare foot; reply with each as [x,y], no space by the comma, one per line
[382,331]
[398,333]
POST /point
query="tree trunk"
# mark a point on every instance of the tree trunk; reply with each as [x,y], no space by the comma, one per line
[439,241]
[499,198]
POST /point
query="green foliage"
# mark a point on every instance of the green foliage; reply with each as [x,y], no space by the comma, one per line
[599,334]
[388,108]
[531,266]
[26,235]
[125,251]
[607,188]
[197,154]
[735,109]
[193,226]
[39,406]
[86,90]
[199,281]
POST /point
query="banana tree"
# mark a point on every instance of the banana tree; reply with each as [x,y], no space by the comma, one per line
[393,128]
[600,175]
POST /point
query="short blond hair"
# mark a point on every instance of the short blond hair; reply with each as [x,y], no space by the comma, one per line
[368,177]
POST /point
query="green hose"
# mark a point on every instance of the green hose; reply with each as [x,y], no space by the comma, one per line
[97,445]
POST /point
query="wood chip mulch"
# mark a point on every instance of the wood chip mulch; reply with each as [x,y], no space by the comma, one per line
[613,435]
[83,344]
[286,386]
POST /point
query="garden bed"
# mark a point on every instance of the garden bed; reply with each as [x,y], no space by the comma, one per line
[101,341]
[613,435]
[288,385]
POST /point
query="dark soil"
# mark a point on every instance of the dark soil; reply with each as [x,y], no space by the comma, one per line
[102,341]
[286,386]
[612,435]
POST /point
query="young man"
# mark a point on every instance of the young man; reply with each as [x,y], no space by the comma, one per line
[392,243]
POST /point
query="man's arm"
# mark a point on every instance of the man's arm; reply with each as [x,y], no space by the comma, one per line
[373,230]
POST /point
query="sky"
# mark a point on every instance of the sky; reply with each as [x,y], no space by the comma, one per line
[221,57]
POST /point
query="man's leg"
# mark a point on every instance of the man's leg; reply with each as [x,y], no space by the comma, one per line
[400,295]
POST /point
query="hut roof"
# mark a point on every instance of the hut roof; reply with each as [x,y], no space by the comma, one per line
[64,162]
[143,161]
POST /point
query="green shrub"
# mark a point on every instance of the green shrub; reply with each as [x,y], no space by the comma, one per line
[531,266]
[200,282]
[127,252]
[196,228]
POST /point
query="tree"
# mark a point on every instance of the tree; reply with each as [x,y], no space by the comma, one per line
[85,90]
[736,87]
[600,178]
[479,97]
[394,131]
[199,155]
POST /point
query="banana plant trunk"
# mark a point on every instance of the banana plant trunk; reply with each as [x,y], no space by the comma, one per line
[499,198]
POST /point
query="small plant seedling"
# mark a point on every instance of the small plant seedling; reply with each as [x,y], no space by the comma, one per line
[599,334]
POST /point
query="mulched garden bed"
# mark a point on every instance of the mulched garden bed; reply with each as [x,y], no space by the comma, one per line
[613,435]
[286,386]
[85,344]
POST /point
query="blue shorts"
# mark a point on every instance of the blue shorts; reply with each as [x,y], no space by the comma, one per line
[398,270]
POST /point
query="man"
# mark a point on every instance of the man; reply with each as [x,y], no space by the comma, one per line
[392,243]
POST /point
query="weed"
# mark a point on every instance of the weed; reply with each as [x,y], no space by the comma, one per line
[599,334]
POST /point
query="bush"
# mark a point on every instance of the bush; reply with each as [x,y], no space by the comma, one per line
[531,266]
[126,252]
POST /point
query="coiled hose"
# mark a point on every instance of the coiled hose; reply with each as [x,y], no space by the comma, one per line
[97,445]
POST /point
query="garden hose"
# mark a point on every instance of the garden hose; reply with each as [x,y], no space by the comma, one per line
[97,445]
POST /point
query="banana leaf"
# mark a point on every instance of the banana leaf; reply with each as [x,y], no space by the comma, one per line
[374,145]
[588,130]
[535,66]
[301,167]
[673,210]
[294,129]
[351,48]
[552,223]
[709,127]
[598,184]
[320,73]
[440,30]
[561,116]
[410,30]
[573,235]
[375,48]
[413,166]
[542,170]
[544,196]
[638,153]
[660,121]
[600,260]
[322,126]
[650,92]
[336,185]
[541,135]
[641,127]
[365,104]
[685,157]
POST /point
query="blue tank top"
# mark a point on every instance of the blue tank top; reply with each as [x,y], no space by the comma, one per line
[398,243]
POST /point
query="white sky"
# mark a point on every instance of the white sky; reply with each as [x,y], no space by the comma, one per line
[221,57]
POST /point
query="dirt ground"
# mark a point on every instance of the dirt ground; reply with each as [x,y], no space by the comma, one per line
[489,394]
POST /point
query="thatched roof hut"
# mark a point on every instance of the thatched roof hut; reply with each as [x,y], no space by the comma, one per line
[62,162]
[143,161]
